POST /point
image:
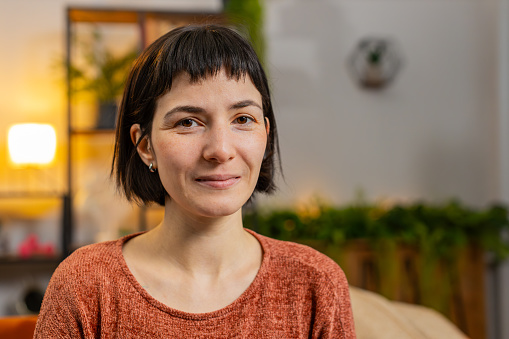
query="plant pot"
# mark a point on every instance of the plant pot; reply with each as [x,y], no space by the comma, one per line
[107,115]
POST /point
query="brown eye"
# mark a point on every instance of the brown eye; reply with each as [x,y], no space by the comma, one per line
[186,123]
[243,120]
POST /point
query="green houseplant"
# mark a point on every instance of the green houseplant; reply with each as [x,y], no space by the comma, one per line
[101,73]
[444,227]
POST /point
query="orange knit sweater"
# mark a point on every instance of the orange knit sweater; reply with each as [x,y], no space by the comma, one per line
[297,293]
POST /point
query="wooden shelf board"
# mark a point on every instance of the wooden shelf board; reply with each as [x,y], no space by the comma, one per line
[103,15]
[109,15]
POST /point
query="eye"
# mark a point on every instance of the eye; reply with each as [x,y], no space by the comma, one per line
[187,123]
[243,120]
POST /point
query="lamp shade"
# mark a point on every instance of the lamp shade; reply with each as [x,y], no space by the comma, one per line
[32,144]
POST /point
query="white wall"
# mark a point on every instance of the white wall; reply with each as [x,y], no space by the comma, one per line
[432,134]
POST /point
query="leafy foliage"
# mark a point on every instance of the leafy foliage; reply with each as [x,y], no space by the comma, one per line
[103,72]
[440,229]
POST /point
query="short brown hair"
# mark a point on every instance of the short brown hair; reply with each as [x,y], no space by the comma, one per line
[200,51]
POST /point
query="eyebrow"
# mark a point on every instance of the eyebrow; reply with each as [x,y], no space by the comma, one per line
[244,103]
[185,109]
[197,109]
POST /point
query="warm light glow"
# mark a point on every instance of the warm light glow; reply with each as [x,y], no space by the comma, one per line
[32,144]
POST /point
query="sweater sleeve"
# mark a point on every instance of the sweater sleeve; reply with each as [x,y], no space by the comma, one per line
[59,316]
[334,318]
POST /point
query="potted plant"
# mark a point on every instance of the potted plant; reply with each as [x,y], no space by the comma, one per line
[101,73]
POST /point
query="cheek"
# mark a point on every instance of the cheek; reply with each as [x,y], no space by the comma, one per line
[174,153]
[255,148]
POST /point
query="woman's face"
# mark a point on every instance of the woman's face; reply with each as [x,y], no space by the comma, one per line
[208,141]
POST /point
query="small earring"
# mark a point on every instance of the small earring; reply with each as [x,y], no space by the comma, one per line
[151,168]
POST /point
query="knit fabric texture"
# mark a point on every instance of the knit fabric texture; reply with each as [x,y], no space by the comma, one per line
[297,293]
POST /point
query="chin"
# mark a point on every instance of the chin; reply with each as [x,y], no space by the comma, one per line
[219,208]
[206,203]
[219,211]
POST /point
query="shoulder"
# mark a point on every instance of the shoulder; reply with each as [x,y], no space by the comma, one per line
[297,254]
[303,261]
[91,255]
[77,290]
[311,284]
[89,263]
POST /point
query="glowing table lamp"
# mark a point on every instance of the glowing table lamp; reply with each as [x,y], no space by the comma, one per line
[32,144]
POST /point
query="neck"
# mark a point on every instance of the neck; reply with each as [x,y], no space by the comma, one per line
[199,245]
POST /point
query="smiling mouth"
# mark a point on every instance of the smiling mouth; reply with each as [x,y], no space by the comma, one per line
[218,181]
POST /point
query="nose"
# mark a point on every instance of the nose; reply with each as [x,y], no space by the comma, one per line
[219,145]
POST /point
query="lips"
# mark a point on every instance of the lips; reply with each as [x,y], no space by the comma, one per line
[218,181]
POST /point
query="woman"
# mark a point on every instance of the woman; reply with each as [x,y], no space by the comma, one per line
[196,133]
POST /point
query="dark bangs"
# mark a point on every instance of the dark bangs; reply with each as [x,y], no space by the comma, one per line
[202,51]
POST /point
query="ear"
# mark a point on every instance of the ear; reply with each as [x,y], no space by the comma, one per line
[144,149]
[267,125]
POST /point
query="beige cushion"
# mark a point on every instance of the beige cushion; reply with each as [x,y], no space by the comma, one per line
[378,318]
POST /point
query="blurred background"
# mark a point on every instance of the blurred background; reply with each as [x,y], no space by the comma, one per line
[393,120]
